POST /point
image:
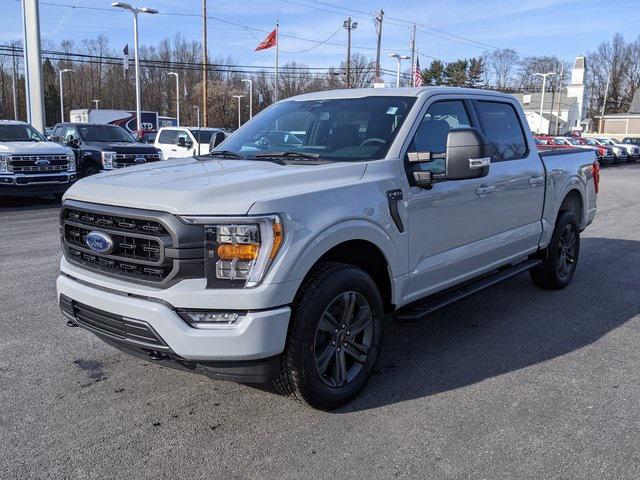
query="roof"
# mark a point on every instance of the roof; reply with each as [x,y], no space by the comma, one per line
[559,100]
[551,117]
[392,92]
[579,63]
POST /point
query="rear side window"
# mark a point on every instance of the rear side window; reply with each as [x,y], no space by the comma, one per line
[169,137]
[503,131]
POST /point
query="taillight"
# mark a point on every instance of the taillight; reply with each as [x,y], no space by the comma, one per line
[595,169]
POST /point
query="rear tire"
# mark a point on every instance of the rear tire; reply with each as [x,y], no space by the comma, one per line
[334,337]
[560,258]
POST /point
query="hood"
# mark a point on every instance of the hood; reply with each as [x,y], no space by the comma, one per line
[121,147]
[33,148]
[209,187]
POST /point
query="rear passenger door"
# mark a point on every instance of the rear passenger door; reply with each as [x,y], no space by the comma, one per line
[518,177]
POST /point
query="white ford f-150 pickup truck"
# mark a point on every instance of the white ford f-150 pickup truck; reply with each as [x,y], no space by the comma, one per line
[277,256]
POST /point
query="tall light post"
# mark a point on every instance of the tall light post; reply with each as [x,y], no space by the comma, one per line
[544,87]
[399,58]
[239,117]
[197,109]
[135,12]
[175,74]
[349,25]
[250,82]
[97,104]
[64,70]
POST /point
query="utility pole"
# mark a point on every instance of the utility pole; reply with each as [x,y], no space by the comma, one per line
[413,55]
[250,83]
[14,82]
[205,117]
[65,70]
[379,18]
[349,25]
[606,93]
[34,85]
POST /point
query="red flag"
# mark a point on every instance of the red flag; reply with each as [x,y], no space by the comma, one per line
[268,42]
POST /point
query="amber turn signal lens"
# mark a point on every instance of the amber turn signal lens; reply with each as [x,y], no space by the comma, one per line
[277,239]
[227,251]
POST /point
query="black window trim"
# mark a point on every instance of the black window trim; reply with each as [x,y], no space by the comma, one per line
[475,103]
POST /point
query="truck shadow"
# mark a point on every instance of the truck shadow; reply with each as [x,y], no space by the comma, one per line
[15,204]
[506,328]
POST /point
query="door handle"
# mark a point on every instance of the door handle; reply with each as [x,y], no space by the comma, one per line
[485,189]
[535,181]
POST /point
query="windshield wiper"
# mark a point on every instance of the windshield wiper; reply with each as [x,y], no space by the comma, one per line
[225,153]
[312,156]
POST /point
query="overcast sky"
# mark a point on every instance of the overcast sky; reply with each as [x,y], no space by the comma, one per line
[532,27]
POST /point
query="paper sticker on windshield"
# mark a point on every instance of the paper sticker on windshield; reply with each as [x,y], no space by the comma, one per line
[392,110]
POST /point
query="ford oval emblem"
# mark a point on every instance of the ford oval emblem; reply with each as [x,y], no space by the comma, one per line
[42,163]
[140,160]
[99,242]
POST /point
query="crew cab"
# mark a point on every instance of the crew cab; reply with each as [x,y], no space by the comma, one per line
[264,262]
[100,147]
[181,142]
[30,165]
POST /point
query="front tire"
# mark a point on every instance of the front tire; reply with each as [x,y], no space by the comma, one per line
[561,256]
[334,338]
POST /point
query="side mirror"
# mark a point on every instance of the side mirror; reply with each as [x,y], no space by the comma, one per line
[72,142]
[466,155]
[181,142]
[218,138]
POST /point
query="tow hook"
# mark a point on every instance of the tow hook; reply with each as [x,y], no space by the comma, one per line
[71,323]
[154,355]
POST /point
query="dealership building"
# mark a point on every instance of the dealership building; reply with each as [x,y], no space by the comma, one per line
[622,124]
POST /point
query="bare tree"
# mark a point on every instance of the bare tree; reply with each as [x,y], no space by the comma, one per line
[502,64]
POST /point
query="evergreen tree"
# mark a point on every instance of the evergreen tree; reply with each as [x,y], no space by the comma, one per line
[455,73]
[475,72]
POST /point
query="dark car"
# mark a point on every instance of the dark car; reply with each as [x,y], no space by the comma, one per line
[103,147]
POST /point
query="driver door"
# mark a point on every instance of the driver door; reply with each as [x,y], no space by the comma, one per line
[449,222]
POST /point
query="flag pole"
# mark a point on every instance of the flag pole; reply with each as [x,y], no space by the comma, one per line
[275,95]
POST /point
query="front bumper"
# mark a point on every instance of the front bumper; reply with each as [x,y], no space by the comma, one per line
[32,185]
[258,335]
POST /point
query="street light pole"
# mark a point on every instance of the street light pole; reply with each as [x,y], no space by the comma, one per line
[135,12]
[64,70]
[97,104]
[177,97]
[250,82]
[399,58]
[239,116]
[197,108]
[544,86]
[349,25]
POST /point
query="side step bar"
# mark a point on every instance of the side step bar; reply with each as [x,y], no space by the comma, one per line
[430,304]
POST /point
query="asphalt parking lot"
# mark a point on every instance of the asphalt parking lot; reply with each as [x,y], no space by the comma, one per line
[514,382]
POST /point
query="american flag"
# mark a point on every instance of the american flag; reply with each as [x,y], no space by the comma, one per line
[417,74]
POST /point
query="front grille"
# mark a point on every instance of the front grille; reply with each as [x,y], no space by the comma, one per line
[142,247]
[38,164]
[111,325]
[128,159]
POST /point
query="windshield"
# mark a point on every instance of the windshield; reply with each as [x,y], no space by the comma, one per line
[573,141]
[20,133]
[334,129]
[605,141]
[105,133]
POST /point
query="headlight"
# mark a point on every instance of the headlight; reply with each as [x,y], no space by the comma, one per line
[4,163]
[107,160]
[160,155]
[72,162]
[239,251]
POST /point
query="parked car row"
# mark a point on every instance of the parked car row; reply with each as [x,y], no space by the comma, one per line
[608,151]
[34,165]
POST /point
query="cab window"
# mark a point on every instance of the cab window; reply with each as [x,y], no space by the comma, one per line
[168,137]
[503,130]
[441,117]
